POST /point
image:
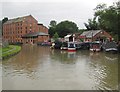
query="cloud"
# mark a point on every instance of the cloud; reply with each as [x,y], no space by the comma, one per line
[46,10]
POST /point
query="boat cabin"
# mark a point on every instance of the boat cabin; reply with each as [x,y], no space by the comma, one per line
[95,46]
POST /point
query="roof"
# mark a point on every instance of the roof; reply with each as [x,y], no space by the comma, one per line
[42,25]
[35,34]
[68,36]
[90,33]
[19,19]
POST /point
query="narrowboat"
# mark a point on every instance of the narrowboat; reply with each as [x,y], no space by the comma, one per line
[85,45]
[95,46]
[71,46]
[110,47]
[64,46]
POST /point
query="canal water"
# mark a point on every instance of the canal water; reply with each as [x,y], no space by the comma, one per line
[42,68]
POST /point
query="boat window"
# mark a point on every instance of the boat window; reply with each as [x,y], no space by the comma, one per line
[71,45]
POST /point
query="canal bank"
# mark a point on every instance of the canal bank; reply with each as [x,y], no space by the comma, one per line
[9,51]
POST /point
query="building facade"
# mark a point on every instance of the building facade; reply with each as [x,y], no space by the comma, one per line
[95,35]
[42,28]
[14,30]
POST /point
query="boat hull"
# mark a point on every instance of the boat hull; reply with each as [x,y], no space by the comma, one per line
[63,48]
[95,50]
[111,50]
[71,49]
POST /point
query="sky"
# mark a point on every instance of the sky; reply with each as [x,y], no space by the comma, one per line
[78,11]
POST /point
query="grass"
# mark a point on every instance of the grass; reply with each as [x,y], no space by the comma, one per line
[9,51]
[6,49]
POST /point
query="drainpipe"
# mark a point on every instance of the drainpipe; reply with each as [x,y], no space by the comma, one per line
[92,35]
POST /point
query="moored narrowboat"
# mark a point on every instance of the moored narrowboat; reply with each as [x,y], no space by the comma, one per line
[95,46]
[110,47]
[64,46]
[71,46]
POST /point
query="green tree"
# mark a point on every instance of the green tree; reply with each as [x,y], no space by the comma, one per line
[108,17]
[53,23]
[52,27]
[66,27]
[92,24]
[118,15]
[82,30]
[56,36]
[4,20]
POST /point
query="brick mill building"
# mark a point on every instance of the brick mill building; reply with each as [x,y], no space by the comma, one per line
[24,30]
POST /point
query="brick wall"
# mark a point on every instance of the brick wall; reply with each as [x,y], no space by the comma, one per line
[98,36]
[43,38]
[103,33]
[30,40]
[42,28]
[14,31]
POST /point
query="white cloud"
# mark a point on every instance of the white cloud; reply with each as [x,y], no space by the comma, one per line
[46,10]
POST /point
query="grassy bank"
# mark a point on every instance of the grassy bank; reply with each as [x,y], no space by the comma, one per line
[9,51]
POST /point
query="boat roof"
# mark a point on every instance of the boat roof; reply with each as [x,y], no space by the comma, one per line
[68,36]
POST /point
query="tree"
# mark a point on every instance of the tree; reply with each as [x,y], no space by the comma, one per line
[56,36]
[4,20]
[108,18]
[66,27]
[118,15]
[52,27]
[92,24]
[53,23]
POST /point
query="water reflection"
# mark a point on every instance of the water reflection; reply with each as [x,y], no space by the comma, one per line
[102,70]
[44,68]
[63,56]
[27,61]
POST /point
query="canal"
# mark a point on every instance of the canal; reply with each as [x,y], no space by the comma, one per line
[42,68]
